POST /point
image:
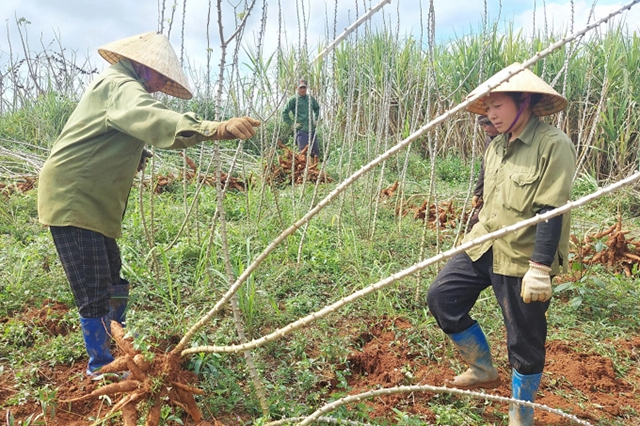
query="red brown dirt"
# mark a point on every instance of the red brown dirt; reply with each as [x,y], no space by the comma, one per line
[68,381]
[386,361]
[579,382]
[587,385]
[582,384]
[48,316]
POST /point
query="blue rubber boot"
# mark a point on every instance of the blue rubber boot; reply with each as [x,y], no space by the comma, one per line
[474,348]
[97,339]
[119,301]
[523,387]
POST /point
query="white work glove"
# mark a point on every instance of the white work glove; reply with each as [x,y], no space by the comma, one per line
[536,283]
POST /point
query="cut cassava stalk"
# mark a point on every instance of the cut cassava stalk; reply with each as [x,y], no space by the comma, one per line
[180,348]
[435,389]
[237,314]
[277,334]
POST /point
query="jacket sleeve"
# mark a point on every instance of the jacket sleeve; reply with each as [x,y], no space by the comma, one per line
[554,189]
[479,189]
[547,239]
[286,113]
[133,111]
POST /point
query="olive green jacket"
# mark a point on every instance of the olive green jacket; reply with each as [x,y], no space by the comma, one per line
[521,177]
[86,180]
[306,116]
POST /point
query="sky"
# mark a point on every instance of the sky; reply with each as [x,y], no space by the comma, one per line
[82,26]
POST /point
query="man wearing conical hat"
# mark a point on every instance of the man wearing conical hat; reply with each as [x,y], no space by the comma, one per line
[529,168]
[85,182]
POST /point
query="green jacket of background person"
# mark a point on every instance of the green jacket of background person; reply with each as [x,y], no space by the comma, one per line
[296,111]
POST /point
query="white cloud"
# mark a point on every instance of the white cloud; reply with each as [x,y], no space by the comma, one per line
[83,26]
[558,16]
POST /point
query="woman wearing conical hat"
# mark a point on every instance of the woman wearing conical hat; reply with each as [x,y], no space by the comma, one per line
[529,169]
[85,182]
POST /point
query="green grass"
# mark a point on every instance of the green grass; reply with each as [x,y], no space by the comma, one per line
[333,265]
[340,253]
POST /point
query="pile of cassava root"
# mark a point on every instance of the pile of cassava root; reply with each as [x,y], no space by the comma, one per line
[618,252]
[294,168]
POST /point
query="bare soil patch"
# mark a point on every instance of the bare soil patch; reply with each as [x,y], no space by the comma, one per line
[583,384]
[587,385]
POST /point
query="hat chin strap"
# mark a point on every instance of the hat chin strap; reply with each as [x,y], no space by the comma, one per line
[523,105]
[145,73]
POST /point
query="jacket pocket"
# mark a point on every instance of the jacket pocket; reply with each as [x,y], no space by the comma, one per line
[521,190]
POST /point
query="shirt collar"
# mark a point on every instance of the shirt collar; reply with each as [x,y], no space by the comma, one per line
[527,135]
[124,65]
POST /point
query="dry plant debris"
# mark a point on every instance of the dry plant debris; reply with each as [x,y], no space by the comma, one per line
[292,168]
[617,252]
[152,382]
[21,184]
[163,181]
[389,191]
[447,214]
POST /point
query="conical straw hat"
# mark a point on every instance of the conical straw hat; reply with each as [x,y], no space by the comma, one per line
[524,81]
[154,51]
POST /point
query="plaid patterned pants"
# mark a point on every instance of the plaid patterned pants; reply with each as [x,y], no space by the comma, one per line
[92,264]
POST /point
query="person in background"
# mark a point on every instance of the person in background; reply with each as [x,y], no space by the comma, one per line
[302,113]
[529,170]
[476,202]
[85,182]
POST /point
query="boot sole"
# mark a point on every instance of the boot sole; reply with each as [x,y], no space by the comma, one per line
[491,384]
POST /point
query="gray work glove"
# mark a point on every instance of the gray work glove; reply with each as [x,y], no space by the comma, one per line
[536,283]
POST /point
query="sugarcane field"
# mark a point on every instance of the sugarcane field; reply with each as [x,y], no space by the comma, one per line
[274,212]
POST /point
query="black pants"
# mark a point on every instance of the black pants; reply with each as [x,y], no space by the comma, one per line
[92,264]
[455,291]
